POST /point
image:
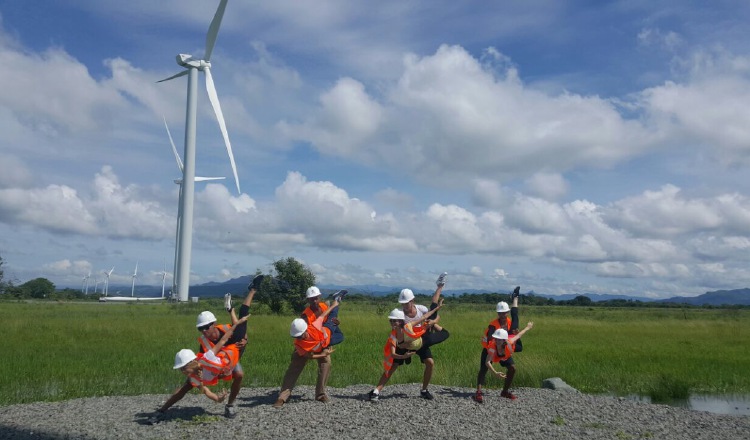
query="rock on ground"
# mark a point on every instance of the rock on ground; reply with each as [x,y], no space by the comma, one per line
[537,414]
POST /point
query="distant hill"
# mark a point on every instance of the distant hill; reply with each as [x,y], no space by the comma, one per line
[238,286]
[717,298]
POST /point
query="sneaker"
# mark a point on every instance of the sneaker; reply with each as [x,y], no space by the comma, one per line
[441,279]
[516,292]
[230,411]
[323,398]
[373,396]
[257,281]
[228,302]
[478,397]
[508,395]
[426,395]
[339,295]
[278,404]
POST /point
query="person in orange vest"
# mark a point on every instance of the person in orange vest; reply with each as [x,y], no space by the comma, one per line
[206,368]
[211,334]
[316,307]
[311,341]
[406,340]
[501,351]
[510,325]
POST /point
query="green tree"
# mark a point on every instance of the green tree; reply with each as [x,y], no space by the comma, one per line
[287,287]
[38,288]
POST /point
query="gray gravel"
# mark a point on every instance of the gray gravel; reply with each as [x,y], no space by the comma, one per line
[537,414]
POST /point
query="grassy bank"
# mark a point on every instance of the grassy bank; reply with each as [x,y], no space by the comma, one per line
[57,351]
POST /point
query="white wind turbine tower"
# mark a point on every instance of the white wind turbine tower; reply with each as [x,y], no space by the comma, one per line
[134,276]
[163,279]
[87,282]
[179,204]
[192,66]
[106,281]
[83,284]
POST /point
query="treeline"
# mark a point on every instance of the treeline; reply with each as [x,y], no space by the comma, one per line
[534,300]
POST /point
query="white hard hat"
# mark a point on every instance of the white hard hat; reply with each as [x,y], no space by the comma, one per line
[396,314]
[312,292]
[205,318]
[299,326]
[500,334]
[502,306]
[183,357]
[405,296]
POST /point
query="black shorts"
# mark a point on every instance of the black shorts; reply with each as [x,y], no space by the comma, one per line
[508,362]
[423,353]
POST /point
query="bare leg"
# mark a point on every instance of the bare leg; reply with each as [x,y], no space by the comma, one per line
[429,366]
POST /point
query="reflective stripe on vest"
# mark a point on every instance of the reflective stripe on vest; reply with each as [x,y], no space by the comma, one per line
[317,340]
[206,344]
[388,353]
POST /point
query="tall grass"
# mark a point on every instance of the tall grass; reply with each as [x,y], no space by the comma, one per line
[57,351]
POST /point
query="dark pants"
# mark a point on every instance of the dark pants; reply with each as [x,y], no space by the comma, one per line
[240,331]
[337,336]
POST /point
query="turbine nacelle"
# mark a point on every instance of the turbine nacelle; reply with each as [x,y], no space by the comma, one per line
[187,61]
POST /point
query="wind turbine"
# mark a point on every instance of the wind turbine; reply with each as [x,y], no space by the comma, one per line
[83,284]
[193,66]
[134,276]
[87,282]
[179,205]
[106,281]
[163,279]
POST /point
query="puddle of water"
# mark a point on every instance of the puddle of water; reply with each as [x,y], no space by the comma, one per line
[732,404]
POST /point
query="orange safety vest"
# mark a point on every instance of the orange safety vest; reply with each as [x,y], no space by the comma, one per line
[217,370]
[316,342]
[229,354]
[487,338]
[493,356]
[310,316]
[388,353]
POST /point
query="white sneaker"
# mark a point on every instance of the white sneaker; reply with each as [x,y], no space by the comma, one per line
[228,302]
[441,279]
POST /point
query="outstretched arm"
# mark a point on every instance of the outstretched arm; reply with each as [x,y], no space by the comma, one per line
[218,398]
[228,334]
[517,336]
[427,315]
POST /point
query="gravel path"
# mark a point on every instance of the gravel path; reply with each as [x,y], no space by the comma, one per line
[401,413]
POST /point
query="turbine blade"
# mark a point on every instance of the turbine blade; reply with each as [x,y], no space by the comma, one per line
[213,30]
[203,179]
[174,149]
[176,75]
[214,98]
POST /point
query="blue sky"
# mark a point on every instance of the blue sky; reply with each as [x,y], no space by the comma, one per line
[564,146]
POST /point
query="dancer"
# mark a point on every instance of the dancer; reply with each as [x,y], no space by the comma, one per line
[501,351]
[311,341]
[413,313]
[210,335]
[510,325]
[316,307]
[405,340]
[206,368]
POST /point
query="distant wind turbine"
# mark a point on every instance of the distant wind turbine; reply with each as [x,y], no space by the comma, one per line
[134,276]
[163,279]
[193,66]
[106,281]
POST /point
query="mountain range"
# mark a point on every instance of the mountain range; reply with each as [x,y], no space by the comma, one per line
[238,287]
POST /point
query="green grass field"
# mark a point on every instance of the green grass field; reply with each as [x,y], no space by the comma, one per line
[57,351]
